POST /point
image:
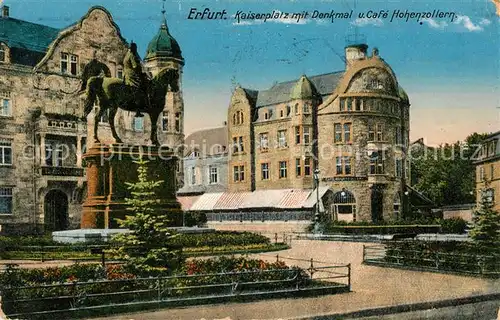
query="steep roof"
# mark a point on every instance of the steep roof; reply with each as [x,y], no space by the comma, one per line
[203,140]
[325,84]
[26,35]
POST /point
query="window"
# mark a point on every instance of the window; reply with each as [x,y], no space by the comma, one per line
[264,141]
[5,152]
[264,171]
[73,65]
[377,162]
[59,156]
[281,138]
[397,205]
[379,132]
[358,104]
[193,176]
[347,165]
[266,115]
[48,154]
[69,63]
[2,55]
[307,135]
[5,110]
[344,206]
[138,123]
[240,144]
[281,113]
[296,108]
[482,176]
[298,167]
[342,132]
[342,104]
[288,110]
[177,122]
[399,168]
[347,132]
[349,104]
[64,62]
[307,166]
[119,72]
[164,121]
[214,174]
[235,144]
[371,132]
[5,200]
[343,165]
[238,173]
[297,135]
[338,132]
[398,136]
[307,108]
[282,165]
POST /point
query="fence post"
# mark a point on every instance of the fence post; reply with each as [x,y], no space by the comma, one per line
[364,252]
[275,238]
[312,268]
[277,258]
[158,285]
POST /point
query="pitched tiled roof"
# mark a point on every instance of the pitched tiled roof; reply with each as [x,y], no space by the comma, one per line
[325,84]
[26,35]
[205,139]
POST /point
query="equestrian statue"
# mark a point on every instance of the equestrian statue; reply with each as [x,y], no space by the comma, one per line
[136,92]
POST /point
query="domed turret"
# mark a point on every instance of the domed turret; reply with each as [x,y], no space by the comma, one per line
[163,45]
[303,89]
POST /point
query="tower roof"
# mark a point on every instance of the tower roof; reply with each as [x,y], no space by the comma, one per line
[303,89]
[163,45]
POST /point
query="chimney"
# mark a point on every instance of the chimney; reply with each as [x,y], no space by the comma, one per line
[355,52]
[5,11]
[224,123]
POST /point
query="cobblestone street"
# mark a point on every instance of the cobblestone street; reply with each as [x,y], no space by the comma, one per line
[371,287]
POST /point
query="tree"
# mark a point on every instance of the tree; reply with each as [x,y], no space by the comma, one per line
[486,230]
[446,174]
[147,248]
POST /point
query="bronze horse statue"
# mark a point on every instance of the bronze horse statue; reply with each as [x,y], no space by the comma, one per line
[113,93]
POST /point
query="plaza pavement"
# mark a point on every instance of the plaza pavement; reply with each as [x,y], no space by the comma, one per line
[371,287]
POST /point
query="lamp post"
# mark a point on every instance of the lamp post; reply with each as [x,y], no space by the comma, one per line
[317,213]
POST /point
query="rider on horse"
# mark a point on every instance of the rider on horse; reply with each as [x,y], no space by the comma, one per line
[134,77]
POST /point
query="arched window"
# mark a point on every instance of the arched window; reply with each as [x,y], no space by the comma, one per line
[241,117]
[234,119]
[397,205]
[344,206]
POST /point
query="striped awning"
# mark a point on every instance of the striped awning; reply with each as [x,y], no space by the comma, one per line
[265,198]
[294,199]
[231,200]
[206,201]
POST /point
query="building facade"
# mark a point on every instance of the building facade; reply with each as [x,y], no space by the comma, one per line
[42,133]
[353,126]
[205,162]
[488,171]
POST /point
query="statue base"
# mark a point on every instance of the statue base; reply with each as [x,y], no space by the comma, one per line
[110,168]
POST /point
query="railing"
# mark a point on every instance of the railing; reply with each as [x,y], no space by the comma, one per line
[62,171]
[381,254]
[260,216]
[74,299]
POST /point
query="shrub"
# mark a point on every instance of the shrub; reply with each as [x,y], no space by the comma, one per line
[453,225]
[218,239]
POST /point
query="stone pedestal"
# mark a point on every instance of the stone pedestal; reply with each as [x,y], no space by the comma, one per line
[110,167]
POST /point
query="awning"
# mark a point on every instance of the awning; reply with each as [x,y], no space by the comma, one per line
[206,201]
[264,198]
[187,201]
[312,199]
[231,200]
[294,199]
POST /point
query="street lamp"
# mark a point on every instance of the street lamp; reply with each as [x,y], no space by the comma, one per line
[317,213]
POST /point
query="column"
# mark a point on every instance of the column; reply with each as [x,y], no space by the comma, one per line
[42,149]
[78,151]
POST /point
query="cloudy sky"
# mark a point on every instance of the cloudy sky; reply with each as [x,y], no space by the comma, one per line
[450,69]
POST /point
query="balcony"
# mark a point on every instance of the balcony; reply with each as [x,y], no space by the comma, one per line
[378,179]
[62,171]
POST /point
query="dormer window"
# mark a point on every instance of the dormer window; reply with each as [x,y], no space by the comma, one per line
[307,108]
[3,56]
[195,154]
[238,118]
[119,72]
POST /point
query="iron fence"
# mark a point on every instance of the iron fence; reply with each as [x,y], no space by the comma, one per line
[77,299]
[426,260]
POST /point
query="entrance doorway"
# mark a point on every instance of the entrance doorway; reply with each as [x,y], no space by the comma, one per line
[56,211]
[377,204]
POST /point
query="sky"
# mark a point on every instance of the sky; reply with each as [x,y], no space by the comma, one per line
[450,69]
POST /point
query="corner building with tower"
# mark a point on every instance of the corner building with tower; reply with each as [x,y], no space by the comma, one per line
[352,125]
